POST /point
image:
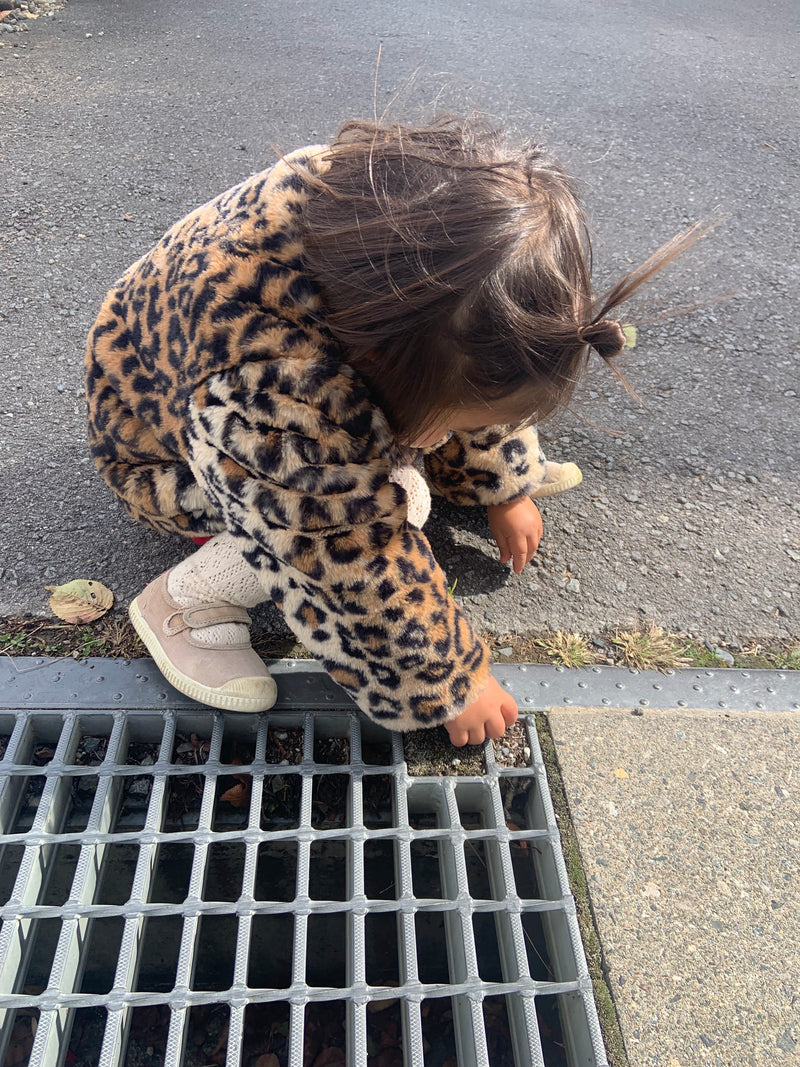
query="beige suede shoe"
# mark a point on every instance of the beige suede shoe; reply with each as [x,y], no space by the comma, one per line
[232,677]
[558,477]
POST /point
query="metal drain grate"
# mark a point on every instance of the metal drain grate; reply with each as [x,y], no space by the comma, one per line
[195,888]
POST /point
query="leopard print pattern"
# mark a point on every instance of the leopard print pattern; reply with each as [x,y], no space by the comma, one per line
[490,466]
[218,399]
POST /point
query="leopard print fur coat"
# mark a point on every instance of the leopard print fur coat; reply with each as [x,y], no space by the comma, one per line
[219,400]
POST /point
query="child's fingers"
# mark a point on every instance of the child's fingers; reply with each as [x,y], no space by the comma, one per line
[458,736]
[504,544]
[509,711]
[518,551]
[533,545]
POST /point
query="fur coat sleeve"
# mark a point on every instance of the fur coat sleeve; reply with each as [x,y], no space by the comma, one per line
[296,459]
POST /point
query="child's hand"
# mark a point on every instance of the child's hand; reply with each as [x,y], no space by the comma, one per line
[488,716]
[517,529]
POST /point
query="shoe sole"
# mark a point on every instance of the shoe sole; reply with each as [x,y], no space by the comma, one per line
[203,694]
[572,479]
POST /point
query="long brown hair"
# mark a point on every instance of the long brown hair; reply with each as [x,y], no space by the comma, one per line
[456,271]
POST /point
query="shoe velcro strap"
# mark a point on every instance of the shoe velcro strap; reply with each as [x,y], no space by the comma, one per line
[202,615]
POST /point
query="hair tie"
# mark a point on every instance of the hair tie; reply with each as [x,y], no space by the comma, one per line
[607,336]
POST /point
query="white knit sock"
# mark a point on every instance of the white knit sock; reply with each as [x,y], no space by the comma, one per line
[418,495]
[216,572]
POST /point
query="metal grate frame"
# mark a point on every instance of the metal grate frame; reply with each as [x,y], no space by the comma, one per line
[432,827]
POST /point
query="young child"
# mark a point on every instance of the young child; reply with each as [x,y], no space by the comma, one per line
[270,375]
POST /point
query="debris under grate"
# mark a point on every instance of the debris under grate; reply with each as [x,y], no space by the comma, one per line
[181,887]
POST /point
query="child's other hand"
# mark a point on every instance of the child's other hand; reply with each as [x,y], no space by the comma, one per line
[488,716]
[517,529]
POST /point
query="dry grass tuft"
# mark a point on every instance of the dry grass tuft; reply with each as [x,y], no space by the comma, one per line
[567,650]
[649,649]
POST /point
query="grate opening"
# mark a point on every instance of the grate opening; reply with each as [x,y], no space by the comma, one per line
[231,802]
[190,888]
[523,868]
[184,795]
[384,1033]
[148,1033]
[327,879]
[214,952]
[334,749]
[86,1027]
[160,945]
[377,754]
[10,860]
[271,952]
[37,945]
[432,947]
[377,800]
[20,1027]
[382,949]
[426,870]
[91,747]
[555,1014]
[208,1030]
[25,795]
[329,801]
[482,858]
[114,869]
[499,1042]
[379,870]
[224,871]
[326,950]
[101,954]
[487,947]
[325,1025]
[276,871]
[266,1032]
[284,747]
[280,804]
[173,872]
[57,865]
[424,813]
[438,1032]
[542,929]
[132,796]
[474,804]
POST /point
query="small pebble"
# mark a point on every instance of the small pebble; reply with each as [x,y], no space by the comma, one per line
[456,762]
[281,735]
[506,750]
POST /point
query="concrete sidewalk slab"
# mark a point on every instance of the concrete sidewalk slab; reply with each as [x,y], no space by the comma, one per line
[689,829]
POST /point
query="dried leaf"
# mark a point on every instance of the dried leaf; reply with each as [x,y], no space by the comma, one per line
[238,795]
[81,600]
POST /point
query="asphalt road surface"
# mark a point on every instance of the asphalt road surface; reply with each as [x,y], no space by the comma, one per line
[117,118]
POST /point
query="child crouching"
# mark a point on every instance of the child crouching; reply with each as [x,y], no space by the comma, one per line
[273,372]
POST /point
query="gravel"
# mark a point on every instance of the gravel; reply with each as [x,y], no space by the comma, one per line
[20,15]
